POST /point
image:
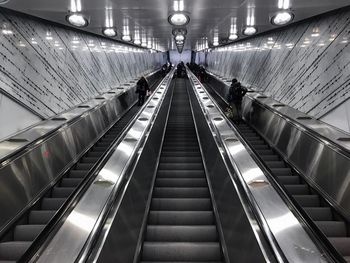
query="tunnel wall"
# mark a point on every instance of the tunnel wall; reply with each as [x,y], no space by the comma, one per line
[305,65]
[48,68]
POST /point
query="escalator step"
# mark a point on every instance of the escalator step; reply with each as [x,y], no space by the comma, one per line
[173,192]
[103,144]
[99,149]
[307,200]
[71,182]
[297,189]
[62,192]
[90,159]
[179,153]
[257,142]
[181,251]
[181,204]
[276,164]
[52,203]
[281,171]
[270,158]
[342,244]
[261,147]
[40,217]
[172,262]
[181,159]
[265,152]
[180,166]
[181,182]
[289,179]
[94,154]
[84,166]
[77,173]
[332,228]
[180,174]
[319,213]
[13,250]
[181,148]
[27,232]
[182,233]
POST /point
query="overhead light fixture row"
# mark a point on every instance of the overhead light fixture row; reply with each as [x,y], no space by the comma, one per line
[77,20]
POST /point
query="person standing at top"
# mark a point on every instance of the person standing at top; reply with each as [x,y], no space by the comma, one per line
[236,95]
[141,88]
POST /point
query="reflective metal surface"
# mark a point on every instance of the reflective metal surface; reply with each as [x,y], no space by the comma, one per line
[71,237]
[282,228]
[324,163]
[25,176]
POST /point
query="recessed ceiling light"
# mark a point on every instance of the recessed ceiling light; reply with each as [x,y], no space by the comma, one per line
[282,18]
[249,30]
[126,38]
[144,44]
[137,42]
[179,31]
[180,38]
[77,20]
[179,19]
[109,32]
[233,37]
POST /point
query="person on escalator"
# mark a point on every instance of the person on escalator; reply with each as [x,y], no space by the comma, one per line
[142,88]
[236,94]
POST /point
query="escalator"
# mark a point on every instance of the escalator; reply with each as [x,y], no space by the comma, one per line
[332,224]
[20,236]
[181,224]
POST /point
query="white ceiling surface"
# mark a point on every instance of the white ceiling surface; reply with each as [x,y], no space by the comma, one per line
[206,16]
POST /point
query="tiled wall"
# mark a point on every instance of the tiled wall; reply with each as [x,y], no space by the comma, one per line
[51,68]
[306,66]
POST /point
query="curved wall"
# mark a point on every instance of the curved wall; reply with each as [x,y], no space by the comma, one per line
[49,68]
[305,66]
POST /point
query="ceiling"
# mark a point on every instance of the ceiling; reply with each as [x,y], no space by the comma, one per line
[208,17]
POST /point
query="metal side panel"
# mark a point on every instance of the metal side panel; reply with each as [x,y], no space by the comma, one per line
[24,177]
[236,226]
[311,147]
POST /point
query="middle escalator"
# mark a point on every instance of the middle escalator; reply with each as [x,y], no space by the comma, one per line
[181,225]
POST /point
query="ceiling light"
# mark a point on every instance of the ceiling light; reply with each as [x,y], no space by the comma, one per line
[178,19]
[249,30]
[282,18]
[109,32]
[180,38]
[179,31]
[126,38]
[144,44]
[233,37]
[137,42]
[77,20]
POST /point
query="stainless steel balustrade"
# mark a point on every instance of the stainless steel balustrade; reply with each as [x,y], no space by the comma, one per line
[283,229]
[80,225]
[318,151]
[46,151]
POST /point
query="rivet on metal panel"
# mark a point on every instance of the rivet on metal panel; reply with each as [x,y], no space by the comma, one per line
[210,106]
[83,106]
[143,119]
[150,106]
[261,97]
[344,139]
[205,98]
[304,118]
[218,119]
[231,139]
[59,119]
[278,105]
[155,98]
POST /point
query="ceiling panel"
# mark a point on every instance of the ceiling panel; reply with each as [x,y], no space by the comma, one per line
[208,17]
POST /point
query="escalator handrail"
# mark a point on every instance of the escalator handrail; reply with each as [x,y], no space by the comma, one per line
[299,125]
[310,183]
[122,177]
[12,155]
[261,219]
[70,203]
[310,226]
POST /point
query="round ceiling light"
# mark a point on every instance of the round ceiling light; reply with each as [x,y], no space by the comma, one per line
[137,42]
[143,44]
[179,19]
[233,37]
[109,32]
[282,18]
[180,38]
[77,20]
[249,31]
[179,31]
[126,38]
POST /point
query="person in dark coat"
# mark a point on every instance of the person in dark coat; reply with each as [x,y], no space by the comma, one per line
[141,88]
[236,95]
